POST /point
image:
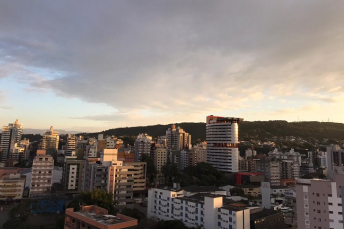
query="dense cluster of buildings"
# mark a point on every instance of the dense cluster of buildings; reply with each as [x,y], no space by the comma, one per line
[208,207]
[106,163]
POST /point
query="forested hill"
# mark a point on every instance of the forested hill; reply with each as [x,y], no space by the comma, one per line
[259,130]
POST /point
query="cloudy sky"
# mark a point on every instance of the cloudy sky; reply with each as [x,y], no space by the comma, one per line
[95,65]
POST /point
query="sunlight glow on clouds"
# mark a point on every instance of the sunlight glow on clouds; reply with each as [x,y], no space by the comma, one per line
[112,64]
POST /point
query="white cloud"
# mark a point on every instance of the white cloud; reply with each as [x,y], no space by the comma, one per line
[182,59]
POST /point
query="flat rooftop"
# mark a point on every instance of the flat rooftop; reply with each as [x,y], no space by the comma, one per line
[264,213]
[100,216]
[103,219]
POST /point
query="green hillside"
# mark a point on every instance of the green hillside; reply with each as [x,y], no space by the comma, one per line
[258,130]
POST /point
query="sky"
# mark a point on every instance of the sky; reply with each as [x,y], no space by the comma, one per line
[96,65]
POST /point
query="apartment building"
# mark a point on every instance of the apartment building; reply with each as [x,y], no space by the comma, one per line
[96,217]
[335,158]
[196,155]
[319,203]
[10,136]
[12,184]
[177,138]
[222,143]
[142,145]
[113,143]
[42,173]
[271,170]
[50,139]
[290,169]
[117,177]
[70,144]
[160,158]
[206,210]
[129,178]
[73,173]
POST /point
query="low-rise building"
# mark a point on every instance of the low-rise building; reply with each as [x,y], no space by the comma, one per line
[250,190]
[267,219]
[206,210]
[96,217]
[12,186]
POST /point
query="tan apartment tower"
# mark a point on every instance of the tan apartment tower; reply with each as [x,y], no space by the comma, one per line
[42,173]
[50,139]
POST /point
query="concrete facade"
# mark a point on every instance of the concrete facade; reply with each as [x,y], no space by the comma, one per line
[42,174]
[222,143]
[319,202]
[205,210]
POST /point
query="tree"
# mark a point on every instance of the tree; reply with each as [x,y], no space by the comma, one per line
[205,174]
[147,223]
[22,210]
[169,171]
[171,224]
[151,170]
[98,197]
[134,213]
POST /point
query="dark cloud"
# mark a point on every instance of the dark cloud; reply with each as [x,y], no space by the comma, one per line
[178,56]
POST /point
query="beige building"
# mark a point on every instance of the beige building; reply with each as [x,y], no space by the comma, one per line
[160,158]
[50,139]
[252,190]
[42,172]
[177,138]
[117,177]
[12,185]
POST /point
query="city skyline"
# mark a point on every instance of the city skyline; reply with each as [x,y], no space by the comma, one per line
[91,67]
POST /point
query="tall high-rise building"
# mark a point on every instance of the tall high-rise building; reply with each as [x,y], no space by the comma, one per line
[50,139]
[70,144]
[142,145]
[11,135]
[222,143]
[177,138]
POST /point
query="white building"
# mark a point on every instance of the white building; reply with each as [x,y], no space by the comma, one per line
[222,143]
[250,153]
[207,210]
[142,145]
[11,135]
